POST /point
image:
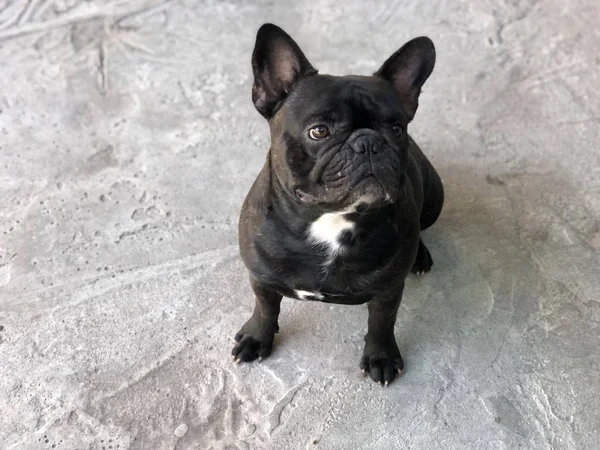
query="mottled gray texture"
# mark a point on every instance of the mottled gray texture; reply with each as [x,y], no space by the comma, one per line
[128,141]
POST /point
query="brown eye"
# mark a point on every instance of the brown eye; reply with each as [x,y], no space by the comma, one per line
[398,130]
[318,132]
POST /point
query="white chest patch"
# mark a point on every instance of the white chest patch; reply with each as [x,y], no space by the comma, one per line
[328,228]
[305,295]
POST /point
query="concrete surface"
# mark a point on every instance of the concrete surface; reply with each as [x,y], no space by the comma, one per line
[128,141]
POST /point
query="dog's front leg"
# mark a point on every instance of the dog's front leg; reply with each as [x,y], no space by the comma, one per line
[381,358]
[255,338]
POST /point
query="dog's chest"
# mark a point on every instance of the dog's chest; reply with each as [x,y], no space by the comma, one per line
[342,257]
[349,254]
[328,232]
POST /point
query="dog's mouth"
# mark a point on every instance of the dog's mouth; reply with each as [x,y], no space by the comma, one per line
[369,188]
[305,197]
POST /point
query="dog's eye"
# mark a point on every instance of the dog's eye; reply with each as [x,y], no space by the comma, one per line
[398,130]
[318,132]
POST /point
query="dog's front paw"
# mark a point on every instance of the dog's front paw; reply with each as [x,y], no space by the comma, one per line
[252,342]
[382,362]
[423,261]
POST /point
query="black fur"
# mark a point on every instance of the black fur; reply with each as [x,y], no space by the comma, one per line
[367,155]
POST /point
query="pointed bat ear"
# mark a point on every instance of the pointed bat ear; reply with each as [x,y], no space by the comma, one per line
[277,64]
[408,69]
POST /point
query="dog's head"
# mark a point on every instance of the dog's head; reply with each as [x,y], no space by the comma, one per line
[336,141]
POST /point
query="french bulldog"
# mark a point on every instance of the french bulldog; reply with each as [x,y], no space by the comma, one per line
[337,211]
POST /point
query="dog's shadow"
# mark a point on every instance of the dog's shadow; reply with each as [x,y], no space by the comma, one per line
[480,283]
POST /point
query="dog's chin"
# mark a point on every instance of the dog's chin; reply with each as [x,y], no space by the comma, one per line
[372,193]
[368,193]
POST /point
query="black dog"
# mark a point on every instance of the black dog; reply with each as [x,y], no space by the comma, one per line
[336,213]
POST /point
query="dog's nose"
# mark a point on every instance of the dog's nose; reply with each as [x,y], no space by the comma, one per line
[366,144]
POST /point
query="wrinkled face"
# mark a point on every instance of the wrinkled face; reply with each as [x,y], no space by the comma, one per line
[340,139]
[337,140]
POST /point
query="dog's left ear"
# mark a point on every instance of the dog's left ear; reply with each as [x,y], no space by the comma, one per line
[408,69]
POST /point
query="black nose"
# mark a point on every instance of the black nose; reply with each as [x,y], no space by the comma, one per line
[366,144]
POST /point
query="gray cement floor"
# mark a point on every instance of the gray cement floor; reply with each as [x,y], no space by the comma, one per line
[128,141]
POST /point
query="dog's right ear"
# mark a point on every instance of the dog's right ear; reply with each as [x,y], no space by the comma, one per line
[277,64]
